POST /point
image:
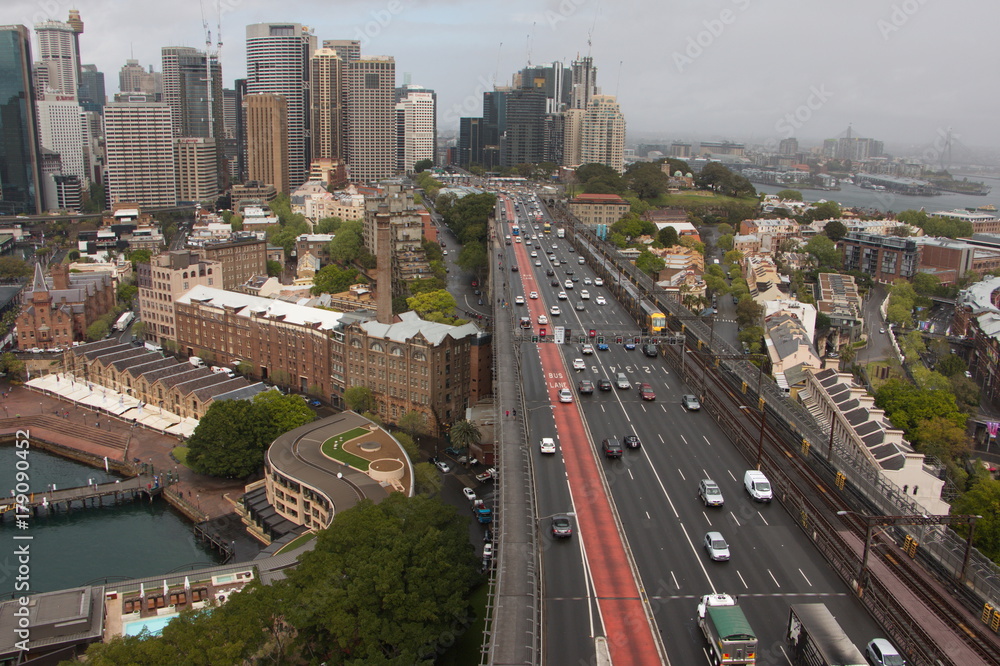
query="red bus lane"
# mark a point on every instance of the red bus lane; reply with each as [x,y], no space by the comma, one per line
[616,589]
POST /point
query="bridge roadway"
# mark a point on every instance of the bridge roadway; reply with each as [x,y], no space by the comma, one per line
[653,489]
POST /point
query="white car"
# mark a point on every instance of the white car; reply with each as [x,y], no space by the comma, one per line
[470,494]
[568,284]
[538,262]
[443,466]
[533,254]
[547,445]
[562,296]
[584,294]
[542,319]
[587,349]
[587,280]
[565,395]
[555,262]
[517,239]
[555,311]
[601,301]
[555,247]
[519,300]
[533,295]
[598,282]
[579,364]
[488,551]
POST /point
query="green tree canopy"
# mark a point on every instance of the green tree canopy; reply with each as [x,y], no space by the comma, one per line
[749,312]
[465,433]
[790,195]
[725,242]
[908,405]
[667,236]
[835,230]
[328,225]
[138,257]
[826,252]
[360,399]
[422,165]
[646,179]
[983,499]
[600,179]
[12,267]
[332,279]
[98,330]
[951,365]
[348,244]
[428,303]
[274,268]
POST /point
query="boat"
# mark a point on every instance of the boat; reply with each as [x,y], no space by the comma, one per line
[988,208]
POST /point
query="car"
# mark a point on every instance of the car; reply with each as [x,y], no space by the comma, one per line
[517,239]
[555,246]
[598,282]
[881,330]
[649,349]
[632,441]
[710,493]
[565,395]
[533,295]
[585,294]
[579,364]
[519,300]
[880,652]
[549,252]
[443,466]
[470,494]
[487,535]
[533,254]
[581,260]
[547,445]
[717,547]
[646,392]
[488,551]
[507,242]
[537,262]
[585,387]
[549,272]
[514,269]
[562,526]
[445,253]
[542,319]
[555,262]
[568,284]
[555,311]
[580,306]
[691,403]
[576,279]
[629,346]
[622,382]
[554,282]
[587,281]
[603,346]
[604,385]
[587,349]
[601,300]
[525,322]
[569,271]
[612,448]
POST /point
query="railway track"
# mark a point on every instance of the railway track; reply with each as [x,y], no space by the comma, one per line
[796,474]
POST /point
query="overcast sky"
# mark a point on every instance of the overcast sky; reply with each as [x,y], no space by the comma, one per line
[903,71]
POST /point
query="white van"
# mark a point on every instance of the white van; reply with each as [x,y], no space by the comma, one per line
[196,362]
[757,485]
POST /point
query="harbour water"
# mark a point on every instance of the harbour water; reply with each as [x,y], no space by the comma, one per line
[132,539]
[856,197]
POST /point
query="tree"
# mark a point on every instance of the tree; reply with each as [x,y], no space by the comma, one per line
[907,405]
[384,583]
[751,336]
[649,263]
[413,423]
[138,257]
[328,225]
[428,479]
[599,179]
[360,399]
[725,228]
[951,365]
[127,293]
[646,179]
[725,242]
[667,236]
[941,437]
[733,257]
[274,268]
[827,210]
[749,312]
[983,499]
[12,365]
[789,195]
[826,252]
[233,435]
[73,255]
[332,279]
[12,267]
[98,330]
[464,434]
[835,230]
[422,165]
[346,245]
[439,302]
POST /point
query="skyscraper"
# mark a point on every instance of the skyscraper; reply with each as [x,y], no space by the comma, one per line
[92,93]
[57,49]
[327,81]
[603,135]
[572,136]
[415,137]
[20,154]
[267,140]
[347,49]
[371,120]
[139,145]
[133,77]
[278,64]
[524,138]
[60,128]
[584,82]
[185,89]
[195,165]
[550,79]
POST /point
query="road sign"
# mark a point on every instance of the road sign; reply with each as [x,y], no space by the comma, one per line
[560,335]
[593,332]
[542,332]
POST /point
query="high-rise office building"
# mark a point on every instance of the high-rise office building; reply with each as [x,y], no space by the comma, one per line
[584,84]
[93,97]
[58,50]
[572,136]
[197,111]
[133,77]
[230,143]
[240,89]
[347,49]
[327,72]
[195,164]
[278,64]
[267,140]
[550,79]
[524,139]
[20,154]
[415,139]
[603,136]
[371,119]
[60,128]
[139,147]
[470,142]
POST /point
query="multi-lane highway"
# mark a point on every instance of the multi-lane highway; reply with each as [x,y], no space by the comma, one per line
[652,489]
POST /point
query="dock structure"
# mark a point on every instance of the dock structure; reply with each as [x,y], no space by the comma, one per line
[138,487]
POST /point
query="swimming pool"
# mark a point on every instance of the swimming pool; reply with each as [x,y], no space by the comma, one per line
[153,624]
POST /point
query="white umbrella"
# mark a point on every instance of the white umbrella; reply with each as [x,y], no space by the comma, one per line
[187,584]
[142,591]
[165,588]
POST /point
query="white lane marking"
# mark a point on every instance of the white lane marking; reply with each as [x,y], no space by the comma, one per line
[684,440]
[603,410]
[663,407]
[630,475]
[681,473]
[762,518]
[782,654]
[707,519]
[647,516]
[706,440]
[806,577]
[741,579]
[731,474]
[773,578]
[643,407]
[735,519]
[662,441]
[676,584]
[698,558]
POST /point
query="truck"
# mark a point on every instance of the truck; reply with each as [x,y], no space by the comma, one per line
[560,233]
[729,636]
[124,321]
[816,638]
[482,512]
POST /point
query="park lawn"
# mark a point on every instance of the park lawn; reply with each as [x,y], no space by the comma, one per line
[333,448]
[468,648]
[297,542]
[181,454]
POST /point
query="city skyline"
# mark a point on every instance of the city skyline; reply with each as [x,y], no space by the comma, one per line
[876,65]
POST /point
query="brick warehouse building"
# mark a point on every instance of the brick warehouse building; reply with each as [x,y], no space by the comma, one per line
[58,311]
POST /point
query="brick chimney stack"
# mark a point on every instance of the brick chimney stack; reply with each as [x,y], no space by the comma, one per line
[383,258]
[60,276]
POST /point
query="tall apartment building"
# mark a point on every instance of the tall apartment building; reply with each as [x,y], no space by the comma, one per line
[415,125]
[197,161]
[584,83]
[61,129]
[57,50]
[241,258]
[573,137]
[278,64]
[267,140]
[139,146]
[163,280]
[348,50]
[20,168]
[371,120]
[327,80]
[133,77]
[602,139]
[884,258]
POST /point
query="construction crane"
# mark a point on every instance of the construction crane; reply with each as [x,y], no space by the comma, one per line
[211,56]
